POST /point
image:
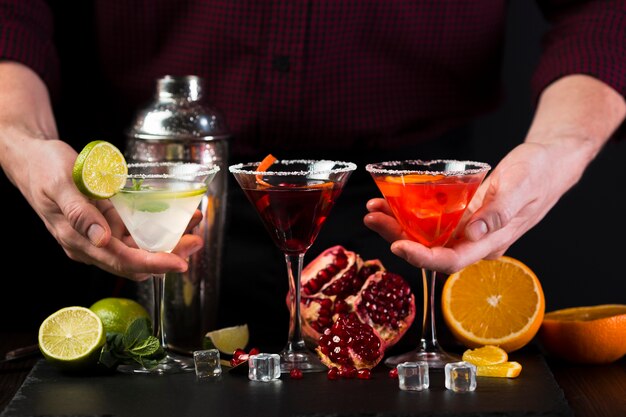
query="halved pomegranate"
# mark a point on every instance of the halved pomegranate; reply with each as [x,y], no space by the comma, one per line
[387,304]
[350,343]
[331,273]
[338,282]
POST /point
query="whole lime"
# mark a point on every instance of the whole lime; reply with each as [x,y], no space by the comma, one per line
[118,313]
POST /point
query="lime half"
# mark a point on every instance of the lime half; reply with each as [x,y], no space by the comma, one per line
[228,339]
[100,170]
[72,338]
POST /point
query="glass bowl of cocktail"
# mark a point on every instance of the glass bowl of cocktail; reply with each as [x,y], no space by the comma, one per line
[156,204]
[293,199]
[428,199]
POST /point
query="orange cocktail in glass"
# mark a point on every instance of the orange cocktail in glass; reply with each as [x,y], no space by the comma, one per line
[428,207]
[428,199]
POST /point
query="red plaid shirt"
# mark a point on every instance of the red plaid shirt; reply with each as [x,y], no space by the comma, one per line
[288,73]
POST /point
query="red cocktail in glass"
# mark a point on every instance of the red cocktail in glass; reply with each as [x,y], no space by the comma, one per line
[293,199]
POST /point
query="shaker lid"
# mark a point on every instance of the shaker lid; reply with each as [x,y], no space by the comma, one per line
[179,113]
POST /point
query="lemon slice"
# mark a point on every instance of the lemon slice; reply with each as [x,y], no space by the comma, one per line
[72,338]
[100,170]
[228,339]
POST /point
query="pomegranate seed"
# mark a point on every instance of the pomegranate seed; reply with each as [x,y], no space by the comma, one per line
[347,371]
[322,275]
[238,352]
[253,351]
[393,373]
[364,373]
[239,360]
[333,373]
[295,373]
[332,269]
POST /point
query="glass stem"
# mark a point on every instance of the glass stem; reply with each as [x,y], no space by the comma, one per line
[294,269]
[158,284]
[429,342]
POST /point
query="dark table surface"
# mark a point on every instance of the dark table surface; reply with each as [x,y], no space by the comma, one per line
[589,390]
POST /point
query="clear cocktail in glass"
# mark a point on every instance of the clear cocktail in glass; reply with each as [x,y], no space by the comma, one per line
[293,199]
[156,205]
[428,199]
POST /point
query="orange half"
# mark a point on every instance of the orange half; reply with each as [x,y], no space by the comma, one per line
[590,334]
[494,302]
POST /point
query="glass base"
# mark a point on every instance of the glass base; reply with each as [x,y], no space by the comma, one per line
[436,359]
[170,364]
[304,360]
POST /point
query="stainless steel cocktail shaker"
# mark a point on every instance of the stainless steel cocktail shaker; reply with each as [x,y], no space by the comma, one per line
[179,126]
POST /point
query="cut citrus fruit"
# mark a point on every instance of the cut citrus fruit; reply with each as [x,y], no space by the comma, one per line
[413,178]
[100,170]
[228,339]
[503,370]
[486,355]
[590,334]
[494,302]
[118,313]
[72,338]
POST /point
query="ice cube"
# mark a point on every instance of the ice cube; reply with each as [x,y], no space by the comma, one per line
[207,363]
[264,367]
[460,376]
[413,376]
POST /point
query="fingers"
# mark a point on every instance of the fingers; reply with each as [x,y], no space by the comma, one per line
[379,205]
[196,218]
[503,200]
[84,217]
[188,245]
[439,259]
[381,220]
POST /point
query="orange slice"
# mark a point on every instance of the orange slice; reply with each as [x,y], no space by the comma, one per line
[494,302]
[591,334]
[486,355]
[503,370]
[413,178]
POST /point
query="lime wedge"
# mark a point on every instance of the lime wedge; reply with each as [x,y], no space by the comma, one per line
[72,338]
[100,170]
[228,339]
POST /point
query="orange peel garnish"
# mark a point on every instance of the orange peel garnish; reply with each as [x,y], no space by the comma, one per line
[263,166]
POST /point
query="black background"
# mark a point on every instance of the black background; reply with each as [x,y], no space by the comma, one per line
[575,251]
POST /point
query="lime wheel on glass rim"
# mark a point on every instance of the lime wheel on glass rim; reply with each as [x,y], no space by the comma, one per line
[99,170]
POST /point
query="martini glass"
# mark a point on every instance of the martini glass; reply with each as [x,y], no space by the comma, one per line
[428,199]
[293,200]
[156,205]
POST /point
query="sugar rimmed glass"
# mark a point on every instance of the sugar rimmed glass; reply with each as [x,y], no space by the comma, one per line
[428,199]
[293,199]
[156,205]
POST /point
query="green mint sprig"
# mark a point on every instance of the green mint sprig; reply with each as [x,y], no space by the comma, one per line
[136,345]
[137,183]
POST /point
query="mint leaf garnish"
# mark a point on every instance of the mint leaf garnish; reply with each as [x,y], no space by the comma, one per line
[153,206]
[137,183]
[136,345]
